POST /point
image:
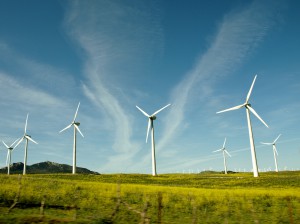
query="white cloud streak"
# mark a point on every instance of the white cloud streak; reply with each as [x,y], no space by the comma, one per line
[31,86]
[112,34]
[236,37]
[18,93]
[238,34]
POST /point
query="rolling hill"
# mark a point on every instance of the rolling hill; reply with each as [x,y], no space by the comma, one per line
[44,168]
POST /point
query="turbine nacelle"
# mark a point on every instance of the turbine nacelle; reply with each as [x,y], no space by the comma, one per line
[274,150]
[248,110]
[75,123]
[28,138]
[246,105]
[152,118]
[11,147]
[9,151]
[25,136]
[224,151]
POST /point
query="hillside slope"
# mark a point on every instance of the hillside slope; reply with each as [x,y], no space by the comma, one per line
[44,168]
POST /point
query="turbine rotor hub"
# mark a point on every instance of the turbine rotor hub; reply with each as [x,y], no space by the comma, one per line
[153,117]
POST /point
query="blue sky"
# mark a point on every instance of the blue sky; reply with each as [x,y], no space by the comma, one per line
[200,56]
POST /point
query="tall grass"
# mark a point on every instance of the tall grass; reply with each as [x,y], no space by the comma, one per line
[174,198]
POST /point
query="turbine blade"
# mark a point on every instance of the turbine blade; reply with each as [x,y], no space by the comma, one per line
[249,93]
[266,143]
[148,129]
[14,142]
[31,139]
[227,153]
[274,147]
[5,145]
[218,150]
[76,112]
[78,129]
[19,142]
[276,139]
[224,143]
[26,124]
[70,125]
[156,112]
[147,115]
[254,112]
[232,108]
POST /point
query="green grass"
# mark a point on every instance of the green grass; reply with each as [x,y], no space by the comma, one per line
[168,198]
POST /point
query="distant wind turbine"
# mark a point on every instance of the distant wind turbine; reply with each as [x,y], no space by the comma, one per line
[26,137]
[224,155]
[9,151]
[248,107]
[150,125]
[76,128]
[274,150]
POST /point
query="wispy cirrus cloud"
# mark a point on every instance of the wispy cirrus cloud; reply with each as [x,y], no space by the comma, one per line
[238,34]
[30,74]
[112,36]
[17,93]
[31,86]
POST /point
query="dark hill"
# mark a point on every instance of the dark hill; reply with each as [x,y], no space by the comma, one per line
[45,167]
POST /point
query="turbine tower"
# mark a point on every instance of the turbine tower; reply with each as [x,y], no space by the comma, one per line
[9,151]
[150,125]
[249,108]
[274,150]
[76,128]
[26,137]
[224,155]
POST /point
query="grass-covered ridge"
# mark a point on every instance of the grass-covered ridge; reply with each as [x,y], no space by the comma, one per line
[135,198]
[211,180]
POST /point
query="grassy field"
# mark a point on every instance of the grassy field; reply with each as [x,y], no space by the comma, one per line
[136,198]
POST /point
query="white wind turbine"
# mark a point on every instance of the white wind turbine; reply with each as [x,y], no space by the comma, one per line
[76,128]
[274,150]
[248,107]
[9,151]
[26,137]
[150,125]
[224,155]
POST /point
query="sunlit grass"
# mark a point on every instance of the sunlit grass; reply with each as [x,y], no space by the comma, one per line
[185,198]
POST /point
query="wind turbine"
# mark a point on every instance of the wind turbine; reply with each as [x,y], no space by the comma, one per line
[26,137]
[224,155]
[76,128]
[8,158]
[248,107]
[150,125]
[274,150]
